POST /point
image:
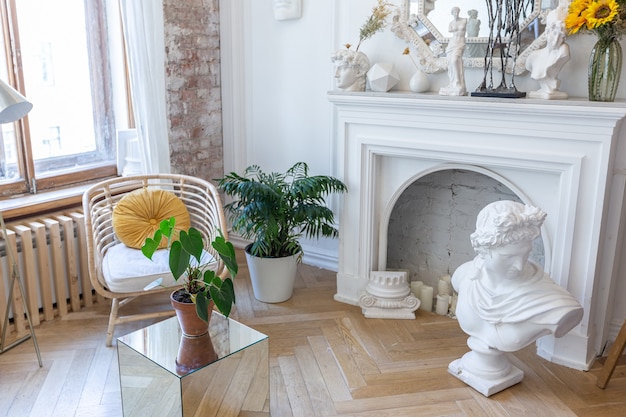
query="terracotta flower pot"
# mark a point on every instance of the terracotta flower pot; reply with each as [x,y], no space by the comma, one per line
[194,353]
[190,323]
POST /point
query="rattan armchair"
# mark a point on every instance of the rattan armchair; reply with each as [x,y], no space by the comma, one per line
[206,214]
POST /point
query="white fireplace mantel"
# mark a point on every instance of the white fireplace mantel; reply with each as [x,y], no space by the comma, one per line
[567,157]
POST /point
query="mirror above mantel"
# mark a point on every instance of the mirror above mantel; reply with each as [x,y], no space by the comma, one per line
[424,25]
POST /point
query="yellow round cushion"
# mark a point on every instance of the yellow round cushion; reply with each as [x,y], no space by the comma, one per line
[138,215]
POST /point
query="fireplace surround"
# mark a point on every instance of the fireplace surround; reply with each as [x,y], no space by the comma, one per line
[567,157]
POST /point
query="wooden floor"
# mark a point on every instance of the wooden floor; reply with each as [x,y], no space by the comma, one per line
[326,359]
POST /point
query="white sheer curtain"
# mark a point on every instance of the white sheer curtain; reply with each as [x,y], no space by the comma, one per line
[145,46]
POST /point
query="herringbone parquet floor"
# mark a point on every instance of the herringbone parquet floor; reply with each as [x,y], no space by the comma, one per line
[326,359]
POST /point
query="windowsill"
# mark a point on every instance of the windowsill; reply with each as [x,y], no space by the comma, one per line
[30,204]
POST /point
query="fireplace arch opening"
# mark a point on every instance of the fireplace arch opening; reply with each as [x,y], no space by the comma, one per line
[431,219]
[564,155]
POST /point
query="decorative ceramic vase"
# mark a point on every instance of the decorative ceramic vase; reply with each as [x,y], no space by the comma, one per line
[190,323]
[605,66]
[419,82]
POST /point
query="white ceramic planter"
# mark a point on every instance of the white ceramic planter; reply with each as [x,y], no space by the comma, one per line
[272,278]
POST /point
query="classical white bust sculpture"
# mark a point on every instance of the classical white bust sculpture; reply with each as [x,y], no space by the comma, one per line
[545,64]
[287,9]
[506,301]
[350,69]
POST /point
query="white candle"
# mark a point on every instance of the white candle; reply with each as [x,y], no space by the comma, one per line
[455,299]
[415,288]
[443,301]
[426,298]
[444,287]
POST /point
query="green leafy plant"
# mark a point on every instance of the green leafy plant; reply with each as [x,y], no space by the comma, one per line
[185,259]
[276,209]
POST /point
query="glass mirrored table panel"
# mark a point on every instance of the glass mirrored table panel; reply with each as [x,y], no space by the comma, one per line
[163,373]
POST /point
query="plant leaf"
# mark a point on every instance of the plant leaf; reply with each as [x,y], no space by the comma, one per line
[226,251]
[192,243]
[151,245]
[275,210]
[167,226]
[223,296]
[179,259]
[202,307]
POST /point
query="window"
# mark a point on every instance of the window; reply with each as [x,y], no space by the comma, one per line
[61,57]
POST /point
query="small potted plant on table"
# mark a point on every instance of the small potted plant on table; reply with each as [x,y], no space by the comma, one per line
[275,210]
[202,287]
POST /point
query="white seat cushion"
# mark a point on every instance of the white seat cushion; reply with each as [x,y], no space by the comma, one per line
[128,270]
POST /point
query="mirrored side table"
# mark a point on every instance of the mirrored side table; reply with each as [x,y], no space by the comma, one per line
[227,371]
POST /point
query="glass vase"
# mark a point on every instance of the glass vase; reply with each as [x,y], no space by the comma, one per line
[605,66]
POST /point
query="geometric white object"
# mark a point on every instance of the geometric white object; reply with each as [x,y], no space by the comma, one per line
[387,296]
[383,77]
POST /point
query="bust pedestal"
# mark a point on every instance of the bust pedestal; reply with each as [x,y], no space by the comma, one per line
[452,91]
[388,296]
[485,369]
[548,95]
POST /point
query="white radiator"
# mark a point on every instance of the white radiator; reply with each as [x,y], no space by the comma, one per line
[52,255]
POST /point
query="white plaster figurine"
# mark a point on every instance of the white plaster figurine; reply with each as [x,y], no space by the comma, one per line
[351,69]
[506,302]
[454,55]
[545,64]
[429,6]
[473,31]
[287,9]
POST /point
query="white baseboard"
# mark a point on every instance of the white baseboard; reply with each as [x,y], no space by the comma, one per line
[572,350]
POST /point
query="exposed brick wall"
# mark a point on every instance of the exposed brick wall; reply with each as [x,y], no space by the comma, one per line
[193,85]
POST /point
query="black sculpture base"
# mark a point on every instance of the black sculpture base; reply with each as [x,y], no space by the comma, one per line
[497,93]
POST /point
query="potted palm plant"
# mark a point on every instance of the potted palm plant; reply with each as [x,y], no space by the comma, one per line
[275,210]
[202,287]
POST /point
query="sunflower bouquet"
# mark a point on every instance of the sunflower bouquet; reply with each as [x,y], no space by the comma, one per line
[607,18]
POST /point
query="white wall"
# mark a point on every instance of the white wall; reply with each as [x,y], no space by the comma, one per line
[275,76]
[283,72]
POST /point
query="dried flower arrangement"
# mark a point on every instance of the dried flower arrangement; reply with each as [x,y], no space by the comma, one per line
[375,23]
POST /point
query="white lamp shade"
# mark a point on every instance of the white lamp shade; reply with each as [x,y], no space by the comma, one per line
[13,105]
